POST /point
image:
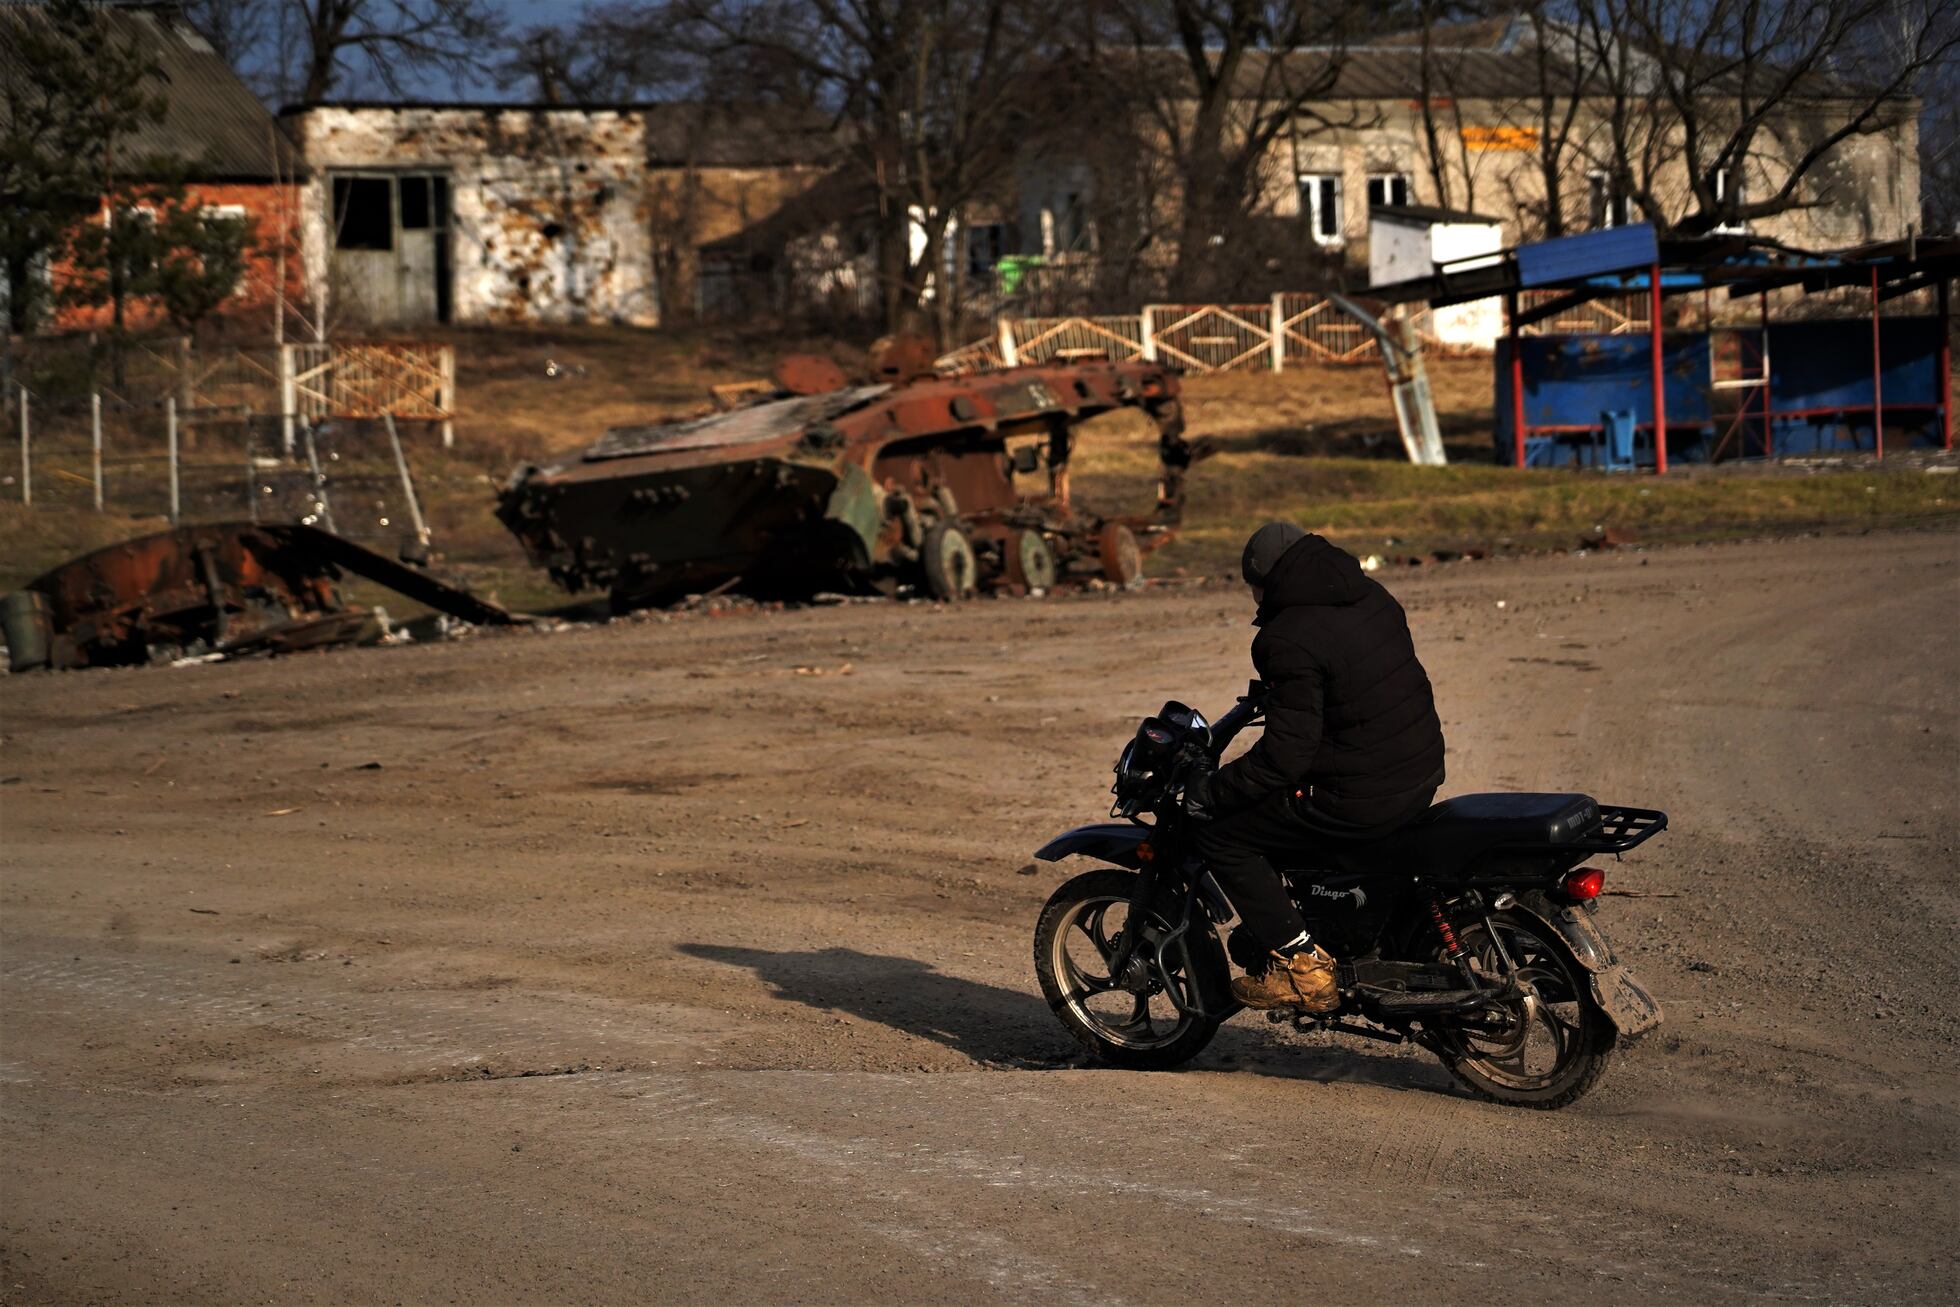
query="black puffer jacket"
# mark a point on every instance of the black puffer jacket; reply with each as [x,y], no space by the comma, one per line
[1349,714]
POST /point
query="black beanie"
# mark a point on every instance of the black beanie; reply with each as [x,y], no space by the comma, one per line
[1263,550]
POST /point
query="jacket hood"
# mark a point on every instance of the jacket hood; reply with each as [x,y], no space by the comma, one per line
[1314,573]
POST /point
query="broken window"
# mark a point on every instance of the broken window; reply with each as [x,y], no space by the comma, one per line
[986,243]
[1387,188]
[1606,201]
[1320,205]
[363,213]
[415,204]
[1727,185]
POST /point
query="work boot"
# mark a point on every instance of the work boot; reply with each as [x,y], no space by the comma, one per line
[1303,981]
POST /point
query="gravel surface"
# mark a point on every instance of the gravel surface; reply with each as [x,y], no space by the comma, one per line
[689,962]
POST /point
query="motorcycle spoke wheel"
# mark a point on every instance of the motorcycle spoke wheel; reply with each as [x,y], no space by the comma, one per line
[1125,1020]
[1131,1013]
[1543,1048]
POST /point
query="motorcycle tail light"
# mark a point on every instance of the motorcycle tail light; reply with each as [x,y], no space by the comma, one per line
[1583,884]
[1145,853]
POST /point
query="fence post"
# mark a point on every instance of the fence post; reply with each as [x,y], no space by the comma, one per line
[448,397]
[1008,354]
[170,433]
[288,399]
[1147,333]
[408,482]
[251,469]
[26,469]
[95,441]
[1279,334]
[187,390]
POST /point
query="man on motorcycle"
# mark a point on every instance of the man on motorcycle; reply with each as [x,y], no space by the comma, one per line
[1351,751]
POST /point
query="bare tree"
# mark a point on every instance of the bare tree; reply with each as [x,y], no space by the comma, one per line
[1547,115]
[1722,111]
[928,95]
[305,50]
[1219,86]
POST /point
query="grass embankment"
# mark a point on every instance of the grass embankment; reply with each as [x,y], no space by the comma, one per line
[1318,447]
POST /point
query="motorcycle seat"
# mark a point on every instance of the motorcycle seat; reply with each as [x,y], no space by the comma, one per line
[1457,831]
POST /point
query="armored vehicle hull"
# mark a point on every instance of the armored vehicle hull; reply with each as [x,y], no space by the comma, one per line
[934,482]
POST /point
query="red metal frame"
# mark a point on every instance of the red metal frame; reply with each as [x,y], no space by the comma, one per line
[1878,387]
[1770,412]
[1769,382]
[1660,380]
[1517,378]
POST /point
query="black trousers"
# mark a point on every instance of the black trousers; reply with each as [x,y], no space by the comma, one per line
[1240,847]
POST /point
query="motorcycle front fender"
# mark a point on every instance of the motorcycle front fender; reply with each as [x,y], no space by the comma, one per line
[1111,841]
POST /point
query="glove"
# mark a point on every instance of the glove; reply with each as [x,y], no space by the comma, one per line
[1197,797]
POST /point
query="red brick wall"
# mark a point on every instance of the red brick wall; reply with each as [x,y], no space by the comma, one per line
[275,211]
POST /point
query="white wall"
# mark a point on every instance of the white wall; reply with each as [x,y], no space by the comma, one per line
[548,209]
[1400,251]
[1478,324]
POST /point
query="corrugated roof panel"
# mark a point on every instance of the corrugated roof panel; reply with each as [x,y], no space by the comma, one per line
[1573,258]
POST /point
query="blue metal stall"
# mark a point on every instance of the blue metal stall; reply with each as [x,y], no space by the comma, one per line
[1583,391]
[1714,393]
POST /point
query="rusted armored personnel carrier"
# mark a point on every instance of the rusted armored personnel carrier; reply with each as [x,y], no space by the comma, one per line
[948,484]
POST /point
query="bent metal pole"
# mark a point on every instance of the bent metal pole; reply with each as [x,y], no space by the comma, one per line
[408,482]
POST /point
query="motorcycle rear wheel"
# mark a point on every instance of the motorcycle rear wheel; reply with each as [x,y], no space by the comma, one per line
[1076,935]
[1545,1051]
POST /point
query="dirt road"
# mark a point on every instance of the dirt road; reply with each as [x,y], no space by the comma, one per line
[688,962]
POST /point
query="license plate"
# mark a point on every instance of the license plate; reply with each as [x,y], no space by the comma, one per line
[1626,1004]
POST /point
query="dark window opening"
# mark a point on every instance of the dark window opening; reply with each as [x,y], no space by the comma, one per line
[1388,188]
[363,213]
[442,273]
[1320,204]
[1606,201]
[415,204]
[986,243]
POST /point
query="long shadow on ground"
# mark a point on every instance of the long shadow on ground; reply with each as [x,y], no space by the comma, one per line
[1011,1029]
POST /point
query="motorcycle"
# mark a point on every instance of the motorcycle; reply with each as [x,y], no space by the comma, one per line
[1471,932]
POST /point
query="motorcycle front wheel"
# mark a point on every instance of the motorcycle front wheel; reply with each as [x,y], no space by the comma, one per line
[1548,1048]
[1126,1021]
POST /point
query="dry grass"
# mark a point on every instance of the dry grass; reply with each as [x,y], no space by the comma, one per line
[1317,446]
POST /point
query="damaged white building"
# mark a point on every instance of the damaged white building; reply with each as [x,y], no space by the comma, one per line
[479,213]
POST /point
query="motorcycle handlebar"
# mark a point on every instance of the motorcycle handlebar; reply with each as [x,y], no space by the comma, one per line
[1250,707]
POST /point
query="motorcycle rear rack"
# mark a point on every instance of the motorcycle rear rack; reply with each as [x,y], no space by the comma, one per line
[1619,829]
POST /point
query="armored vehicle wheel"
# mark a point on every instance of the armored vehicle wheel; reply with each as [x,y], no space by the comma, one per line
[1030,562]
[952,572]
[1122,558]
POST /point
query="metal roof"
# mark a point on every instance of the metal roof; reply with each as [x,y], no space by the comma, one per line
[1423,215]
[1621,259]
[212,121]
[678,133]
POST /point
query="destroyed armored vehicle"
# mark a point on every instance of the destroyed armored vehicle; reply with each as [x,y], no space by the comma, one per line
[947,485]
[223,590]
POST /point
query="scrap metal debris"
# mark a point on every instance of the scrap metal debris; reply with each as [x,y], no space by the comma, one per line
[219,590]
[811,484]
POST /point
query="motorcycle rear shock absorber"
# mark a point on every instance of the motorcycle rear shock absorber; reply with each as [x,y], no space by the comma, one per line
[1452,951]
